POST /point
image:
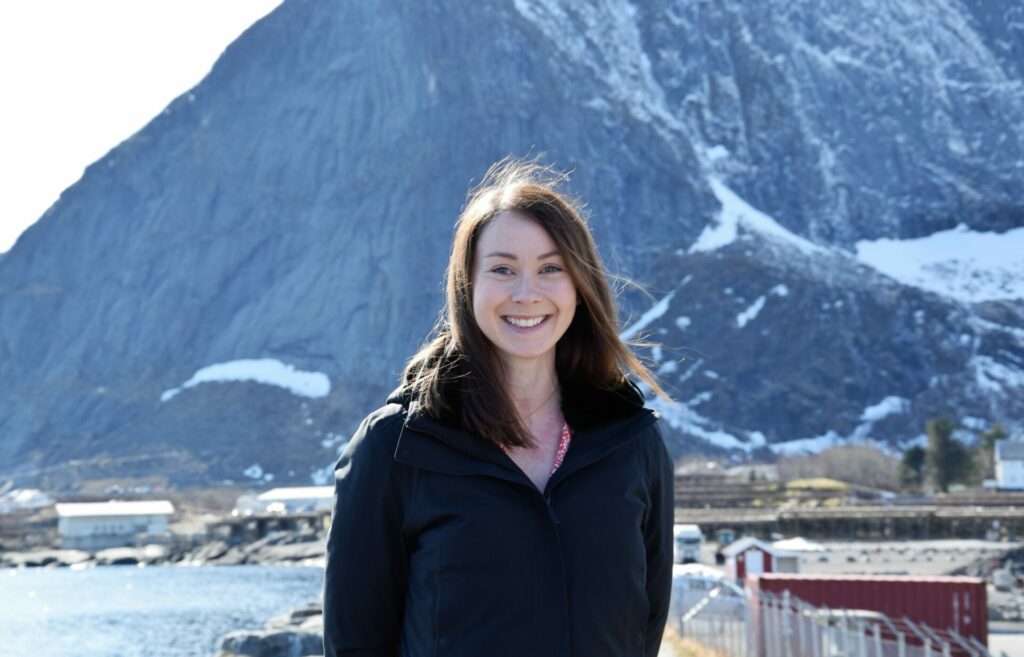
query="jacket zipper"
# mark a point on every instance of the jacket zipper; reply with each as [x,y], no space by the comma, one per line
[551,509]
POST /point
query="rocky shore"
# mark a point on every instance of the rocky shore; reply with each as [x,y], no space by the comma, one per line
[295,634]
[281,547]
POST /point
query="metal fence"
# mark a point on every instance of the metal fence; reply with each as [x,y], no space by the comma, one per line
[731,623]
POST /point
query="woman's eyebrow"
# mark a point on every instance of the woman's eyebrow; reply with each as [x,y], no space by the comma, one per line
[510,256]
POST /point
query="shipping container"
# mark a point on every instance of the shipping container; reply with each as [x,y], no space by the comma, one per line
[942,603]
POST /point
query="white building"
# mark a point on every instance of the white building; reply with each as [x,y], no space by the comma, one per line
[98,525]
[298,499]
[1010,464]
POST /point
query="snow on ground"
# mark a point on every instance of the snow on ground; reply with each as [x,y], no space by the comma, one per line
[263,370]
[888,406]
[959,263]
[985,326]
[691,369]
[255,471]
[891,405]
[994,376]
[751,312]
[755,308]
[716,153]
[656,311]
[757,439]
[736,213]
[682,417]
[700,398]
[808,445]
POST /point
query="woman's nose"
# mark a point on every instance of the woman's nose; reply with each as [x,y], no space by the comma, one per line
[525,290]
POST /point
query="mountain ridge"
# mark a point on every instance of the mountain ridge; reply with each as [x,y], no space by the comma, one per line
[297,205]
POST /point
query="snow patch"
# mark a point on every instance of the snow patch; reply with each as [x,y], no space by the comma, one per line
[255,471]
[750,313]
[333,439]
[958,263]
[975,423]
[268,371]
[716,153]
[994,376]
[985,326]
[685,419]
[891,405]
[735,213]
[683,323]
[700,398]
[755,308]
[691,370]
[808,445]
[656,312]
[323,477]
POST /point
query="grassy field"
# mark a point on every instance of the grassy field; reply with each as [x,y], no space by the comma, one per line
[681,647]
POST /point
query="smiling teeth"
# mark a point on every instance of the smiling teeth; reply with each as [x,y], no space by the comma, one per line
[524,323]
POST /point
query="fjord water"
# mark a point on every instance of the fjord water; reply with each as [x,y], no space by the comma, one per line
[126,611]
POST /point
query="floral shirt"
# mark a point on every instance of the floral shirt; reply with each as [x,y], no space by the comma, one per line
[563,447]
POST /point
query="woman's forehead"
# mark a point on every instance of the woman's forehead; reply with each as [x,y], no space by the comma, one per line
[515,234]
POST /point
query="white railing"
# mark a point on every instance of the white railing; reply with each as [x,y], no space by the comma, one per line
[731,623]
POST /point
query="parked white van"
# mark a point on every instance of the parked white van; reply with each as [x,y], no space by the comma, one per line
[689,539]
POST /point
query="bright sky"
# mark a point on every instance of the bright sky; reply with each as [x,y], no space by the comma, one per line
[80,77]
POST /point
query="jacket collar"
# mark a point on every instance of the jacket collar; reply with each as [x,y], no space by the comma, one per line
[601,420]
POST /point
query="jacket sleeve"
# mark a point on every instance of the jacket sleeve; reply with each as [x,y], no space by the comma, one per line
[658,542]
[365,578]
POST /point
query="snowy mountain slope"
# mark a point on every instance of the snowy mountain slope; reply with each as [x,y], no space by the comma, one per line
[296,207]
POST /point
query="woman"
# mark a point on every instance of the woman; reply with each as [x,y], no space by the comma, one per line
[514,496]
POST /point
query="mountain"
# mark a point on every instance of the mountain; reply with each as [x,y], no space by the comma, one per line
[225,294]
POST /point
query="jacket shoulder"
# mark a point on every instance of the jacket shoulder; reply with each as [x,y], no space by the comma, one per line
[376,437]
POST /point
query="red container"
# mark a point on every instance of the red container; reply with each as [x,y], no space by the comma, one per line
[943,603]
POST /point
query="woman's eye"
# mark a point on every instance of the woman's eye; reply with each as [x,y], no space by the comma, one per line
[551,269]
[501,269]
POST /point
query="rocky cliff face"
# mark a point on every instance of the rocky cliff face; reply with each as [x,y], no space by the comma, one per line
[739,161]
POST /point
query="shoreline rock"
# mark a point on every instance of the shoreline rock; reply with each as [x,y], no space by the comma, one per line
[296,634]
[278,548]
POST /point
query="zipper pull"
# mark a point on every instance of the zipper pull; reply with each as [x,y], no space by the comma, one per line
[551,509]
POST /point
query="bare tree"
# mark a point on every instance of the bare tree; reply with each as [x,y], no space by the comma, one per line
[863,465]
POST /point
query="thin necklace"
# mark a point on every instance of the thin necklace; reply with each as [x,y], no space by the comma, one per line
[541,405]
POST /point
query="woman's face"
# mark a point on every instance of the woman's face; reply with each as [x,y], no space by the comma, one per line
[523,299]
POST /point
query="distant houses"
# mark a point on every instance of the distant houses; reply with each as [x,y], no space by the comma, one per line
[1010,464]
[98,525]
[749,556]
[299,499]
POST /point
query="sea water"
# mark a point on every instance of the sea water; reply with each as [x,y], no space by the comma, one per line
[157,611]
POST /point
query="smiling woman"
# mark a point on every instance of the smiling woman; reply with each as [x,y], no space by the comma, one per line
[523,299]
[514,497]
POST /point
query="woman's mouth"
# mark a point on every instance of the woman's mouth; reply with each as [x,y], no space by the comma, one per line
[524,323]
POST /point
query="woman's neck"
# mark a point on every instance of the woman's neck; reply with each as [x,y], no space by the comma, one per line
[532,385]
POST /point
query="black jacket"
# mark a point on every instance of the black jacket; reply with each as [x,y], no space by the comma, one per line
[441,546]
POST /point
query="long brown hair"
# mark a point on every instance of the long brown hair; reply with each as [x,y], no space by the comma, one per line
[589,352]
